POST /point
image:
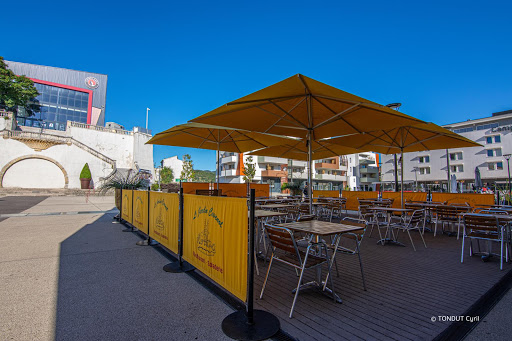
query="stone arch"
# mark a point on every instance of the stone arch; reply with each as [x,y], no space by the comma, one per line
[27,157]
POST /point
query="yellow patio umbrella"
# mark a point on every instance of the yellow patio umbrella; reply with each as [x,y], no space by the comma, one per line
[303,107]
[415,138]
[298,150]
[204,136]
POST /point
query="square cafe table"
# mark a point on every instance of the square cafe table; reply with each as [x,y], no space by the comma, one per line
[320,229]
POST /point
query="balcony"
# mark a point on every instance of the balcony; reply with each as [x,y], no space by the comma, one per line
[298,175]
[324,165]
[330,177]
[273,160]
[369,170]
[368,179]
[228,159]
[228,172]
[273,173]
[298,164]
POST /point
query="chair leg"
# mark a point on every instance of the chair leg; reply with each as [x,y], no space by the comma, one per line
[361,265]
[298,285]
[435,229]
[266,276]
[462,252]
[501,253]
[423,239]
[412,243]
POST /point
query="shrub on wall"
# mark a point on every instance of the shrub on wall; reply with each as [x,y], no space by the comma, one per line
[86,172]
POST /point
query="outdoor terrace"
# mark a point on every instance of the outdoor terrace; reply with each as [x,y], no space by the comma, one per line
[405,290]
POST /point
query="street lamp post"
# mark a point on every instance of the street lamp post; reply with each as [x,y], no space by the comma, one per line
[147,115]
[507,157]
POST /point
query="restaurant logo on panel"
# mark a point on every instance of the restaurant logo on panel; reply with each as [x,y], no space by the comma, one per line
[204,244]
[92,82]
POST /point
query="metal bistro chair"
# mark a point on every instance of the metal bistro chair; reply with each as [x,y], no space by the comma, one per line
[357,237]
[415,222]
[286,251]
[483,227]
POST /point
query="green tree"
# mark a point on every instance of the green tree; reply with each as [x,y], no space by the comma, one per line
[188,172]
[166,175]
[17,92]
[249,169]
[205,176]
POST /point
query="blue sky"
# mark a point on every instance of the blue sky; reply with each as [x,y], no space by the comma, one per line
[446,61]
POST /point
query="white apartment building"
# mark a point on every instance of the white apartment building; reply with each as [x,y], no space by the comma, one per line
[173,163]
[333,173]
[363,171]
[430,169]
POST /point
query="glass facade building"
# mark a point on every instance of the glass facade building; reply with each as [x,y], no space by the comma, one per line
[58,105]
[64,95]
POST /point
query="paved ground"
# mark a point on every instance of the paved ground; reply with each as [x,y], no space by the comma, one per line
[78,277]
[496,325]
[17,204]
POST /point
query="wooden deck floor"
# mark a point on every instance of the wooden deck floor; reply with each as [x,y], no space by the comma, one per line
[405,290]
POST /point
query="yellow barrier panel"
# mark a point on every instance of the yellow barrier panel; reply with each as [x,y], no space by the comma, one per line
[140,211]
[408,196]
[126,212]
[164,219]
[460,198]
[262,190]
[191,187]
[215,235]
[233,190]
[352,203]
[327,194]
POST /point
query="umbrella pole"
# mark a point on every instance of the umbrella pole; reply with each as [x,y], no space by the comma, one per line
[402,176]
[218,166]
[310,170]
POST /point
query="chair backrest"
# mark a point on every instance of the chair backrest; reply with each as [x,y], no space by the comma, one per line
[282,239]
[306,217]
[493,211]
[418,216]
[481,222]
[364,209]
[356,222]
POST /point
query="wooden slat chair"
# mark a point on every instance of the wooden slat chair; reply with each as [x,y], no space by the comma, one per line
[356,237]
[369,217]
[415,206]
[483,227]
[285,250]
[449,214]
[334,208]
[415,222]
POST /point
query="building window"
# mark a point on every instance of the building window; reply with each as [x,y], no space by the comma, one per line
[456,156]
[463,130]
[424,159]
[58,106]
[494,152]
[493,139]
[457,169]
[486,126]
[495,165]
[425,170]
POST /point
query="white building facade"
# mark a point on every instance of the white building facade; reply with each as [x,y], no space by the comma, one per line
[173,163]
[333,173]
[431,169]
[43,158]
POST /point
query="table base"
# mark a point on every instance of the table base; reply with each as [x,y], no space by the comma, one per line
[384,241]
[320,288]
